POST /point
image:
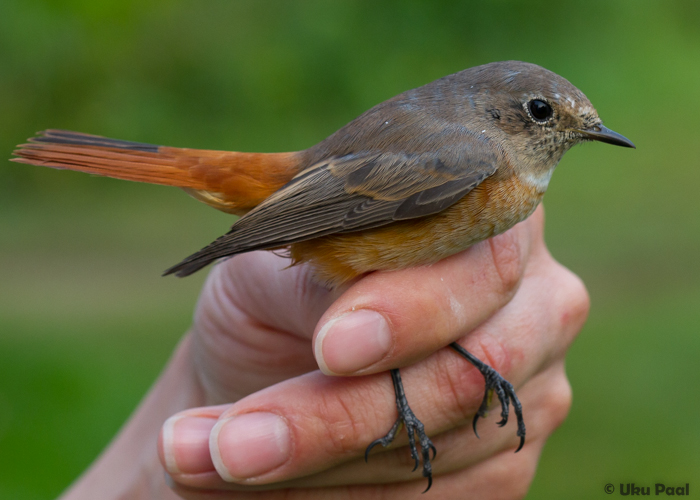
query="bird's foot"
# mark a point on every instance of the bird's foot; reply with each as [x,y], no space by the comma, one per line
[414,428]
[495,383]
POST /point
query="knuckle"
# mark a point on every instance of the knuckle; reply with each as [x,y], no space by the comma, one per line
[341,428]
[344,420]
[554,399]
[575,301]
[559,402]
[508,260]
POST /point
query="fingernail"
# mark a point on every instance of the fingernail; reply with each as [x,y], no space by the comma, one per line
[186,444]
[249,445]
[352,342]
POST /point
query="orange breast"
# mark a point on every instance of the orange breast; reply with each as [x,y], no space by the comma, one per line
[492,208]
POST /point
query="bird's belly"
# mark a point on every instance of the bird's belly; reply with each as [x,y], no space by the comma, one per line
[492,208]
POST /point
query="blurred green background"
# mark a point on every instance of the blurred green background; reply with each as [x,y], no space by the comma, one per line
[86,321]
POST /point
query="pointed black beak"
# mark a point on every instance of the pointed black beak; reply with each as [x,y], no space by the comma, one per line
[604,134]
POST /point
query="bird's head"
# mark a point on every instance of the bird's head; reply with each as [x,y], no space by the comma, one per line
[538,113]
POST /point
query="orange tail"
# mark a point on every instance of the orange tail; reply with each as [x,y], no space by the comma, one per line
[229,181]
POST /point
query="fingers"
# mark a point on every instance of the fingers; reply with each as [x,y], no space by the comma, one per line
[186,438]
[485,482]
[548,397]
[312,423]
[391,319]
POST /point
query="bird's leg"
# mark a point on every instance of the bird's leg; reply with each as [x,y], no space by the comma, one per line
[414,427]
[503,389]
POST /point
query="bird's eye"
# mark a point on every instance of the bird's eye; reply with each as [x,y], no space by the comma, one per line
[540,110]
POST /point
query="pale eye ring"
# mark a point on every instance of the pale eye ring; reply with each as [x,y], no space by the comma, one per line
[540,110]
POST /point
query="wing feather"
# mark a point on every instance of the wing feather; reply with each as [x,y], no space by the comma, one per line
[350,193]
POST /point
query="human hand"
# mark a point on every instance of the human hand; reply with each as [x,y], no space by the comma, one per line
[506,300]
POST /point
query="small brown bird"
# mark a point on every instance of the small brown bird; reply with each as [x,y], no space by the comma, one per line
[413,180]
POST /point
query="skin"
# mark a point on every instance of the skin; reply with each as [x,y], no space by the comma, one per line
[250,352]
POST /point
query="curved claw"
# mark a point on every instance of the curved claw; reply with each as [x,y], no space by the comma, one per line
[502,422]
[430,483]
[432,447]
[522,442]
[369,448]
[476,417]
[417,464]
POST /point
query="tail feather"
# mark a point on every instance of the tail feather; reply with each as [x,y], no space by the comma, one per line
[133,161]
[56,136]
[229,181]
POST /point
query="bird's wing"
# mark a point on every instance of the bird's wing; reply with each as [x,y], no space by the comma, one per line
[350,193]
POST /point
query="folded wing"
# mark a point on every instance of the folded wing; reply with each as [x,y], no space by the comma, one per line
[351,193]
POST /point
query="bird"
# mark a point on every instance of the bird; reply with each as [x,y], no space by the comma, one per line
[415,179]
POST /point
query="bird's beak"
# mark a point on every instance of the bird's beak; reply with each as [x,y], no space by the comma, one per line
[604,134]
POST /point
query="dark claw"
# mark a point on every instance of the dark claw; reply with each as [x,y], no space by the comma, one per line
[369,448]
[476,417]
[386,440]
[430,483]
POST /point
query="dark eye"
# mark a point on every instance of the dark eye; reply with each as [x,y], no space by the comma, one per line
[540,110]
